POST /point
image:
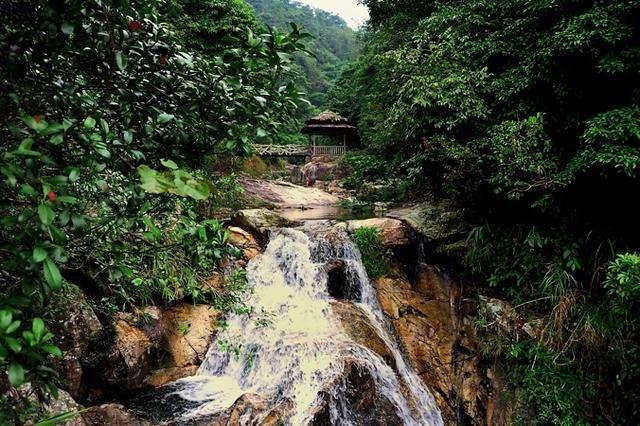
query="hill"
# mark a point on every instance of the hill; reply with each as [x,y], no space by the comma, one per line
[334,43]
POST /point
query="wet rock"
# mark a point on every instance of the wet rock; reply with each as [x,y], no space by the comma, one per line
[111,414]
[506,317]
[259,221]
[318,170]
[393,232]
[251,409]
[440,343]
[441,225]
[357,326]
[74,324]
[355,397]
[166,375]
[242,239]
[128,358]
[64,403]
[157,346]
[189,331]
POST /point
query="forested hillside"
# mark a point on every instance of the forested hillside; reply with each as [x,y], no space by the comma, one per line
[333,45]
[527,114]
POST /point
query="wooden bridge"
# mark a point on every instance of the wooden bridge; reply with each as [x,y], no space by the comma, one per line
[298,150]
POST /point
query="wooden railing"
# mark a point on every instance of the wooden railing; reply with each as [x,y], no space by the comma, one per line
[299,150]
[332,151]
[282,150]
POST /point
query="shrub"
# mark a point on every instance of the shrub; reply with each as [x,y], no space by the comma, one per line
[372,251]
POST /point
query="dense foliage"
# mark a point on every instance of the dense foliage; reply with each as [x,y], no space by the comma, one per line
[528,113]
[111,118]
[333,45]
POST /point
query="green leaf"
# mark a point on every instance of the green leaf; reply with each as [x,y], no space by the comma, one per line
[46,214]
[89,123]
[56,139]
[58,419]
[5,319]
[128,136]
[16,374]
[52,349]
[74,174]
[13,327]
[261,100]
[13,344]
[52,274]
[121,61]
[39,254]
[165,118]
[169,164]
[38,329]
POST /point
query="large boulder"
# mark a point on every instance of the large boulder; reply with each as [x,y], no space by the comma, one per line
[430,320]
[319,170]
[189,332]
[440,223]
[393,232]
[358,327]
[354,396]
[111,414]
[75,324]
[259,221]
[243,240]
[158,345]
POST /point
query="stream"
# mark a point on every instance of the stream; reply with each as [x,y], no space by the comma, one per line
[294,352]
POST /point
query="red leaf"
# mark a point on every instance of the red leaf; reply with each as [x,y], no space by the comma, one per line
[52,196]
[37,118]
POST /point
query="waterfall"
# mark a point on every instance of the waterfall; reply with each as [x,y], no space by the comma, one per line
[292,349]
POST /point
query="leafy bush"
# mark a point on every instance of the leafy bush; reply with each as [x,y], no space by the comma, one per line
[107,119]
[372,251]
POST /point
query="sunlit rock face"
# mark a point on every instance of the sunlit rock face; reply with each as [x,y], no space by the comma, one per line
[302,356]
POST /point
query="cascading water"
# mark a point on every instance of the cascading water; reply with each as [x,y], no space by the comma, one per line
[292,349]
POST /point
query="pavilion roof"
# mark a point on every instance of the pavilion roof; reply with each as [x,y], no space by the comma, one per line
[328,123]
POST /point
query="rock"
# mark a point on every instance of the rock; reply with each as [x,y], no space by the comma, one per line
[357,326]
[251,409]
[506,317]
[169,374]
[64,403]
[355,396]
[74,326]
[440,343]
[240,238]
[111,414]
[439,223]
[319,170]
[127,361]
[189,331]
[393,232]
[259,221]
[132,344]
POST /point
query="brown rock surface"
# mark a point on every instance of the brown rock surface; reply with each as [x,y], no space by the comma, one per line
[242,239]
[357,326]
[190,330]
[393,232]
[111,414]
[440,343]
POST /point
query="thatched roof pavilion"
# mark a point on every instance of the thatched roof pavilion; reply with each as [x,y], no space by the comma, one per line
[328,124]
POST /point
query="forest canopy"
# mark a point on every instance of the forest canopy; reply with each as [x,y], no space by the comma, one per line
[527,114]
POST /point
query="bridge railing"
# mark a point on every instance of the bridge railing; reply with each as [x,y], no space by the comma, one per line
[334,151]
[299,150]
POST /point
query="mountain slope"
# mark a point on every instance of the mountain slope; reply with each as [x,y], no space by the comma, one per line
[334,44]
